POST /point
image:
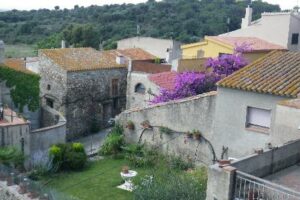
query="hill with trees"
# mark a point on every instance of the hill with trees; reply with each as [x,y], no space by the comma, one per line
[183,20]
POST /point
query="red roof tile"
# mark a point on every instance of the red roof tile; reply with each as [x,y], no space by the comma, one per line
[164,80]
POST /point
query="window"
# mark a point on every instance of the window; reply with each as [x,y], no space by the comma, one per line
[140,88]
[48,87]
[295,38]
[115,87]
[49,102]
[259,118]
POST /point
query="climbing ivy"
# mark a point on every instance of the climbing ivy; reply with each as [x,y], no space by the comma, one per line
[24,87]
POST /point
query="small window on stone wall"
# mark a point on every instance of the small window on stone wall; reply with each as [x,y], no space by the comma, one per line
[48,87]
[140,88]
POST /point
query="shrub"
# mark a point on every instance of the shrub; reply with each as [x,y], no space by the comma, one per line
[176,162]
[78,147]
[75,160]
[168,185]
[11,156]
[70,156]
[41,165]
[117,129]
[112,144]
[139,156]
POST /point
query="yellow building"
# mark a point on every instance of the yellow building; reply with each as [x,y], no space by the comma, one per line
[214,46]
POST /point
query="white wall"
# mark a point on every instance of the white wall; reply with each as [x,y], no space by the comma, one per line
[271,27]
[134,99]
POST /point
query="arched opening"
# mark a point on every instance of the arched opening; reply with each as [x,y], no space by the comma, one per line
[140,88]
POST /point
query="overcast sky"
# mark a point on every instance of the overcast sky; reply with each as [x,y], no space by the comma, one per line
[36,4]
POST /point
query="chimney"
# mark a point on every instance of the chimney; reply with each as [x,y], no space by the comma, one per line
[246,21]
[129,65]
[2,51]
[120,60]
[63,44]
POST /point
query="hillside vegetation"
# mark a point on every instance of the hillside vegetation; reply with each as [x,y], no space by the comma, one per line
[183,20]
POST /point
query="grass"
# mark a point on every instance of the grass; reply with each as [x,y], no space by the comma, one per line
[98,181]
[19,50]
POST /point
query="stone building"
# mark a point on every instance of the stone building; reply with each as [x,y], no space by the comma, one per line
[87,86]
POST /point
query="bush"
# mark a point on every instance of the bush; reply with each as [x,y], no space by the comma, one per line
[176,162]
[11,156]
[139,156]
[117,129]
[70,156]
[78,147]
[75,160]
[112,144]
[168,185]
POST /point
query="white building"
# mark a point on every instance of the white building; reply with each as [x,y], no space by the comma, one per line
[161,48]
[281,28]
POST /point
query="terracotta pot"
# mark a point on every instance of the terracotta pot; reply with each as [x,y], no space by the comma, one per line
[130,126]
[33,195]
[223,162]
[125,170]
[22,189]
[9,181]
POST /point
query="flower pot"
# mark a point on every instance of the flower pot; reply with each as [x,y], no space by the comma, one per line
[130,126]
[223,163]
[125,170]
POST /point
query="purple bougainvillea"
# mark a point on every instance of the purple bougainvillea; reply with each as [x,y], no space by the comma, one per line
[193,83]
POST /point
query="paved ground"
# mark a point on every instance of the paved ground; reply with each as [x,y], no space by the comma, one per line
[289,177]
[92,143]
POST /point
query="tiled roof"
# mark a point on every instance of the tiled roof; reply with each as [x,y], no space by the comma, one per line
[277,73]
[81,59]
[148,67]
[136,54]
[256,44]
[164,80]
[17,64]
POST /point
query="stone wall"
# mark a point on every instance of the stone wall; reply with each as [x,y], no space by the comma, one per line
[90,99]
[11,192]
[53,83]
[53,133]
[181,116]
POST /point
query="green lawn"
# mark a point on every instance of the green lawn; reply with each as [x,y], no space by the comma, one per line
[19,50]
[98,181]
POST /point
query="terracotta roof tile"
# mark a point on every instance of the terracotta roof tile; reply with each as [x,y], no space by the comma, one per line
[148,67]
[17,64]
[164,80]
[256,44]
[277,73]
[80,59]
[136,54]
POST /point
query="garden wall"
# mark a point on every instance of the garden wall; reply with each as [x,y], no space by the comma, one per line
[181,116]
[55,132]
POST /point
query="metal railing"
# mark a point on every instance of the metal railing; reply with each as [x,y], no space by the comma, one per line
[248,187]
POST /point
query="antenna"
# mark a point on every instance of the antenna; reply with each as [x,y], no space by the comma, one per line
[138,29]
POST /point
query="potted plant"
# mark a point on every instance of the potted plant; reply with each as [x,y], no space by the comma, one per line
[189,134]
[197,135]
[146,124]
[130,125]
[125,169]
